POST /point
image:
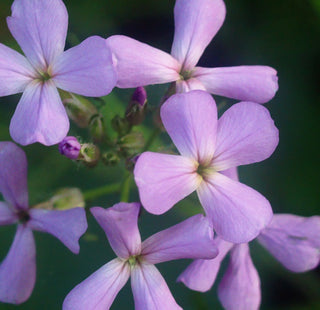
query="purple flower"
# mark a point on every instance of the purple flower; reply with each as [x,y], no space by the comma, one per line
[191,238]
[293,240]
[196,23]
[244,134]
[18,269]
[40,28]
[70,147]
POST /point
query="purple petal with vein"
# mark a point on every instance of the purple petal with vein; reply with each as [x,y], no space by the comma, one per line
[100,289]
[150,291]
[15,71]
[183,86]
[238,212]
[196,23]
[191,122]
[40,116]
[240,287]
[18,269]
[201,274]
[66,225]
[13,175]
[139,64]
[248,83]
[86,69]
[7,216]
[120,224]
[192,238]
[40,28]
[246,134]
[163,180]
[294,241]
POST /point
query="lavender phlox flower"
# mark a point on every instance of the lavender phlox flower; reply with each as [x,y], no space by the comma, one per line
[293,240]
[40,28]
[244,134]
[196,23]
[18,269]
[190,238]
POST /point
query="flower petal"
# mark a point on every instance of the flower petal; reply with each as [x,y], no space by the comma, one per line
[150,291]
[86,69]
[248,83]
[66,225]
[192,238]
[246,134]
[13,175]
[201,274]
[240,286]
[7,216]
[238,212]
[15,71]
[189,85]
[196,23]
[120,224]
[294,241]
[164,179]
[40,116]
[191,121]
[40,28]
[18,269]
[139,64]
[100,289]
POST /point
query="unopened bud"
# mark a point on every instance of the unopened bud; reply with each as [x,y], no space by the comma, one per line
[120,125]
[132,142]
[89,154]
[70,147]
[97,128]
[110,158]
[130,162]
[135,112]
[79,109]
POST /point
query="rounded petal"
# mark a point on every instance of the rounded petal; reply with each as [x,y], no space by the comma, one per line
[238,212]
[248,83]
[86,69]
[150,291]
[294,241]
[7,215]
[15,71]
[196,23]
[13,175]
[240,286]
[192,238]
[139,64]
[40,28]
[120,224]
[18,270]
[164,179]
[191,121]
[40,116]
[246,134]
[66,225]
[98,291]
[201,274]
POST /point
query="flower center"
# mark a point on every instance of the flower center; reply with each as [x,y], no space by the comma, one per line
[44,76]
[23,216]
[185,75]
[133,260]
[205,170]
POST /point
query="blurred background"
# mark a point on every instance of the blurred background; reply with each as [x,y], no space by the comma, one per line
[282,34]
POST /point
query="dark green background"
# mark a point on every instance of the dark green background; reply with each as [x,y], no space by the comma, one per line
[283,34]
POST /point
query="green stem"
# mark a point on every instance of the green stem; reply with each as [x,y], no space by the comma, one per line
[101,191]
[151,139]
[125,188]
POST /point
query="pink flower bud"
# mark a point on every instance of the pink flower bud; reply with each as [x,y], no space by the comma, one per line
[70,147]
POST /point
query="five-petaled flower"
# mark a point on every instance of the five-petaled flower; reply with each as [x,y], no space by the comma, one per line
[190,238]
[40,28]
[18,269]
[196,23]
[244,134]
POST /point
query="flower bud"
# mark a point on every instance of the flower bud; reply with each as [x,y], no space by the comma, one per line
[110,158]
[135,112]
[132,142]
[120,125]
[89,154]
[97,128]
[79,109]
[70,147]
